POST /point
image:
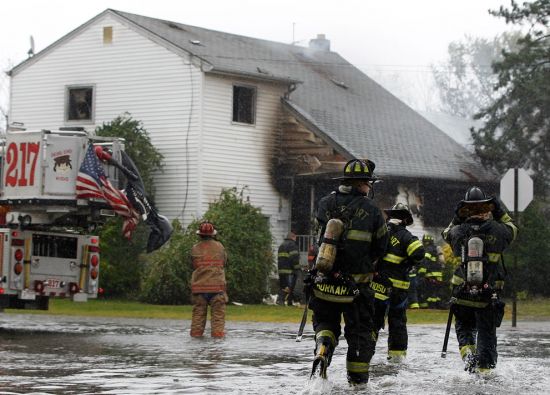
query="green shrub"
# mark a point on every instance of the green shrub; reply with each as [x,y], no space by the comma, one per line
[244,232]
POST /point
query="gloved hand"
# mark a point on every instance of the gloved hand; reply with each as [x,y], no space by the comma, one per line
[458,219]
[308,278]
[497,211]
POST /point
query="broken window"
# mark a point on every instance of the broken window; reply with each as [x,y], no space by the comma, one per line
[244,102]
[80,103]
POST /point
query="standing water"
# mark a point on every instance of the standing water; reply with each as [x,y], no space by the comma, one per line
[48,354]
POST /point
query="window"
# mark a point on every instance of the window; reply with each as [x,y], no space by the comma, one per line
[80,103]
[244,101]
[108,35]
[54,246]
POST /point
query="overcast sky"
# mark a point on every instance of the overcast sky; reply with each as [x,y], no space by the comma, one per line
[402,37]
[365,32]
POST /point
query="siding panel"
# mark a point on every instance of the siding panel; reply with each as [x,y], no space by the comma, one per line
[132,75]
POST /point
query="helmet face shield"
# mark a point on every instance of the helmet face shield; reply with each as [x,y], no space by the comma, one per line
[475,202]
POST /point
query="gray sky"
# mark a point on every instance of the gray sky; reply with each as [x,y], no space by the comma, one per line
[388,39]
[365,32]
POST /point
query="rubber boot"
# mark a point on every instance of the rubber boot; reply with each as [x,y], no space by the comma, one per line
[323,356]
[470,362]
[355,379]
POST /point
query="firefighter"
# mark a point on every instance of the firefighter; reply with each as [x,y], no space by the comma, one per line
[433,283]
[288,265]
[413,301]
[421,271]
[345,289]
[208,282]
[312,255]
[404,251]
[477,308]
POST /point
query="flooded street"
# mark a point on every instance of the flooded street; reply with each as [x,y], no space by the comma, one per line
[48,354]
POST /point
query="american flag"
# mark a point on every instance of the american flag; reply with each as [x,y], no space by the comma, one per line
[91,182]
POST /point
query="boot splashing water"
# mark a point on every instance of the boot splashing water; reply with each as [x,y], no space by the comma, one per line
[322,358]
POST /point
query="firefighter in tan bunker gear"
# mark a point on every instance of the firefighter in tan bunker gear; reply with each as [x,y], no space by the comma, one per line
[208,282]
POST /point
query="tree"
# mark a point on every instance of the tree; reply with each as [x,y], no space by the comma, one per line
[138,146]
[122,263]
[465,80]
[516,129]
[533,268]
[244,232]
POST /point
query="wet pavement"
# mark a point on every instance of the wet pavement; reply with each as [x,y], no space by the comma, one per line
[49,354]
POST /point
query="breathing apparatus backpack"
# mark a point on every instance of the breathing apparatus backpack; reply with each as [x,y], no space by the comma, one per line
[476,268]
[333,239]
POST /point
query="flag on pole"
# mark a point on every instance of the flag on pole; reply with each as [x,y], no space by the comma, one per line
[161,229]
[91,182]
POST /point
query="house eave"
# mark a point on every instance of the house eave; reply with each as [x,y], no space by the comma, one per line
[317,129]
[247,74]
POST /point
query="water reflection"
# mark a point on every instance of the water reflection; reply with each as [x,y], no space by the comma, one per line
[94,355]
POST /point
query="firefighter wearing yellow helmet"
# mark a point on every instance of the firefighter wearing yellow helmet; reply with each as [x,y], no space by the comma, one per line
[342,288]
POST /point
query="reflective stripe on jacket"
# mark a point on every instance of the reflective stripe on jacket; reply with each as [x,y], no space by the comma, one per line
[288,257]
[404,250]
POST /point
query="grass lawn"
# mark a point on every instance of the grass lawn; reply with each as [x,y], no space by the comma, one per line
[526,310]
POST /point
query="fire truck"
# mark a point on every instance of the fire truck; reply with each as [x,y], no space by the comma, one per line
[47,244]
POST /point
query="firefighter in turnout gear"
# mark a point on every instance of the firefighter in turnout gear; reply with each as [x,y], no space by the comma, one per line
[479,241]
[404,251]
[421,271]
[312,253]
[288,265]
[413,288]
[208,282]
[433,280]
[344,289]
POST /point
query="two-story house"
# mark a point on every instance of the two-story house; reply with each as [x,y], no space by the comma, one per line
[232,111]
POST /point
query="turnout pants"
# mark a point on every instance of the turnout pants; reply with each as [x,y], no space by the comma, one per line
[286,280]
[217,303]
[477,327]
[397,321]
[358,329]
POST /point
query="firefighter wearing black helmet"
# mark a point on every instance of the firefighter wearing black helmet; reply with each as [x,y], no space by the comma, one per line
[477,308]
[345,291]
[404,251]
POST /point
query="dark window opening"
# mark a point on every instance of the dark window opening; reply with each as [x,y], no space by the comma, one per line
[55,246]
[80,104]
[243,104]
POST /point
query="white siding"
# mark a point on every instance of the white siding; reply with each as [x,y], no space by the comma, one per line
[239,155]
[187,114]
[132,75]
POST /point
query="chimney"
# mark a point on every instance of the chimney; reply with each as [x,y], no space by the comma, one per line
[320,43]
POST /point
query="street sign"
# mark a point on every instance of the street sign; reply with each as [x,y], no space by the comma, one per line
[524,191]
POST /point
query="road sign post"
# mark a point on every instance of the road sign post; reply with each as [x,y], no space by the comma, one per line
[516,190]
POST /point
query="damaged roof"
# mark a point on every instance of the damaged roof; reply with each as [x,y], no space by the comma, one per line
[350,111]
